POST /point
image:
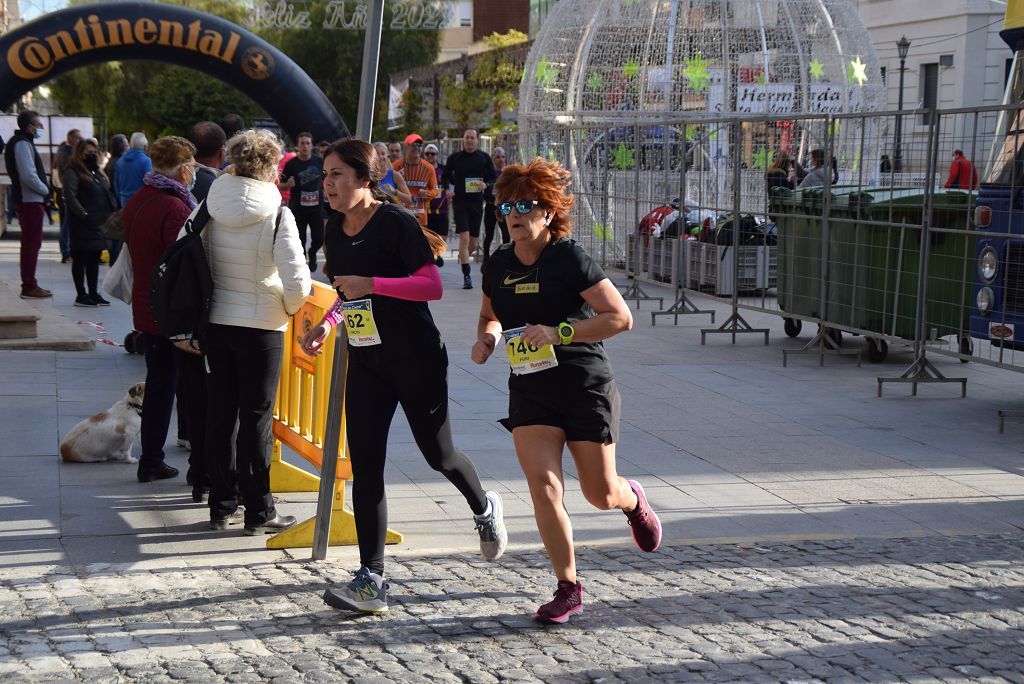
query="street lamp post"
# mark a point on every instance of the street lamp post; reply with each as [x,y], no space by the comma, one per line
[903,46]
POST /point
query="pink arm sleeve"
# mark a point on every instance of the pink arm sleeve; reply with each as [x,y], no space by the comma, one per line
[422,286]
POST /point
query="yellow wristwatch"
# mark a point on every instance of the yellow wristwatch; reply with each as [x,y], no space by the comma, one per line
[565,333]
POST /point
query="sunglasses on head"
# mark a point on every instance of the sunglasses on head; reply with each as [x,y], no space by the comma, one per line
[522,206]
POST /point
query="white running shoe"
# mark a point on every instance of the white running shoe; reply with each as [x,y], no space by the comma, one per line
[364,593]
[493,536]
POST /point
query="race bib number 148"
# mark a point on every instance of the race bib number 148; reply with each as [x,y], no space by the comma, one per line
[526,358]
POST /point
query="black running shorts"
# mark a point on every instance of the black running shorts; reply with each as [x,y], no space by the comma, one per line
[586,415]
[468,215]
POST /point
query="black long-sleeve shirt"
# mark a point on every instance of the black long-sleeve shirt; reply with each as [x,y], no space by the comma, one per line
[470,173]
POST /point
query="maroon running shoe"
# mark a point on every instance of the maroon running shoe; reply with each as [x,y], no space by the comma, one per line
[644,521]
[568,600]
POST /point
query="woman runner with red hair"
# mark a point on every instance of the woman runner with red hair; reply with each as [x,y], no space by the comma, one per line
[552,305]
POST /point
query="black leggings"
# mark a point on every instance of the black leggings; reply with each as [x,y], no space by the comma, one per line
[490,220]
[85,269]
[373,391]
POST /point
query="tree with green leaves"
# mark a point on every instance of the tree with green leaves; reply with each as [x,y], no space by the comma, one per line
[333,58]
[163,99]
[497,74]
[490,89]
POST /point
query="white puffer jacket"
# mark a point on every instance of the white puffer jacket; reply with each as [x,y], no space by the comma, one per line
[258,282]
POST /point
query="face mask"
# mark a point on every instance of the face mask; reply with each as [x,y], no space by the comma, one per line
[192,183]
[92,161]
[38,134]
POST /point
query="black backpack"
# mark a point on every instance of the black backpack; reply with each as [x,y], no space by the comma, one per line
[181,288]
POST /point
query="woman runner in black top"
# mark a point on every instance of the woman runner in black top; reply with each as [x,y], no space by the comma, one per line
[382,264]
[550,304]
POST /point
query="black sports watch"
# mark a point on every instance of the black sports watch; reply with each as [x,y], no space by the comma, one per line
[565,333]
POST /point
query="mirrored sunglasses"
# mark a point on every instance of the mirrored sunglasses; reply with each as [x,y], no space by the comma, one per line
[521,206]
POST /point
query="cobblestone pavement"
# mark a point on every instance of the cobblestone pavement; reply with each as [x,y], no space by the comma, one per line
[915,609]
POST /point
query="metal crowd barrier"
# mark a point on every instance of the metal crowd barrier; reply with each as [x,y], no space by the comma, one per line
[879,249]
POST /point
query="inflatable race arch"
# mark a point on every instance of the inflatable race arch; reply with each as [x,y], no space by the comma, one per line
[82,35]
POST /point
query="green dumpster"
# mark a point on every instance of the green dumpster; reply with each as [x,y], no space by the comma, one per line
[874,258]
[799,249]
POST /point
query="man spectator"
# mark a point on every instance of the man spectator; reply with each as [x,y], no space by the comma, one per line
[469,173]
[60,164]
[419,176]
[29,191]
[394,151]
[302,176]
[231,124]
[210,140]
[132,167]
[961,173]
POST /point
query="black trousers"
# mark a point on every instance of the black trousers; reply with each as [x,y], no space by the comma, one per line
[374,389]
[313,217]
[161,377]
[490,221]
[85,270]
[244,366]
[192,406]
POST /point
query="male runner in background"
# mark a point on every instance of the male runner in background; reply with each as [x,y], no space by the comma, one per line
[302,175]
[468,174]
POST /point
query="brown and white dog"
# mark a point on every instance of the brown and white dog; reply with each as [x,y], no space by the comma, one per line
[109,435]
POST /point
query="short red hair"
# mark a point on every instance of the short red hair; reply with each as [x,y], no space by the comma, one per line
[544,181]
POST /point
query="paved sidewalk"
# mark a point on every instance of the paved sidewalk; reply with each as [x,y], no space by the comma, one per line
[813,531]
[945,609]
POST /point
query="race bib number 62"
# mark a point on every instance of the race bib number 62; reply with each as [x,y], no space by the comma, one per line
[526,358]
[359,323]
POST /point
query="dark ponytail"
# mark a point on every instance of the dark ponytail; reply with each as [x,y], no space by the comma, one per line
[368,166]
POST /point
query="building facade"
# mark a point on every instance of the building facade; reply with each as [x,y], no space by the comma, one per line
[474,20]
[956,58]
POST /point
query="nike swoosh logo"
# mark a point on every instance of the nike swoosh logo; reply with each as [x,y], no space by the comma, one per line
[435,409]
[513,281]
[356,242]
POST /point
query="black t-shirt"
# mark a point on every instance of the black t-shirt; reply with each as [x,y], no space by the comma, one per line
[547,292]
[469,171]
[390,245]
[307,193]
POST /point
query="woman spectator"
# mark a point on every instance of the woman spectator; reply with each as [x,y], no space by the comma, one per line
[555,305]
[89,201]
[152,218]
[260,278]
[381,262]
[782,173]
